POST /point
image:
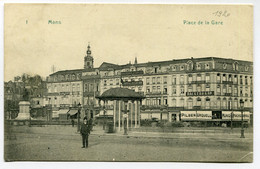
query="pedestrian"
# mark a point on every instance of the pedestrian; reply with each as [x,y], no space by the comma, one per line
[91,124]
[85,131]
[72,122]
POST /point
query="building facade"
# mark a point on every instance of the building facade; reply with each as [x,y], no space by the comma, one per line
[186,89]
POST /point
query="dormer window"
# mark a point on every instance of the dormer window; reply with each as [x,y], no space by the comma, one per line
[156,70]
[182,67]
[224,66]
[235,66]
[174,68]
[246,68]
[198,67]
[207,66]
[73,77]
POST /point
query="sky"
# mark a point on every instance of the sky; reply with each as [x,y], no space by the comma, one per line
[119,33]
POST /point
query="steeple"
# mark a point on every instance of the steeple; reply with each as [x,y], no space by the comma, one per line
[88,59]
[135,60]
[88,51]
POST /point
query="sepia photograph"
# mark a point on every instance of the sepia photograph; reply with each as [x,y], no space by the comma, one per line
[128,83]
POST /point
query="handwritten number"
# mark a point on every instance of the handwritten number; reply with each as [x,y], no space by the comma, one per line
[221,13]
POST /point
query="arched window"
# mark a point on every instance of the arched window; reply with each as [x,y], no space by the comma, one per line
[198,101]
[190,103]
[224,103]
[190,65]
[235,66]
[235,103]
[207,105]
[218,77]
[198,66]
[73,77]
[218,103]
[182,102]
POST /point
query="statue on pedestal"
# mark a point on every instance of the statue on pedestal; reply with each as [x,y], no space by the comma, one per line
[24,107]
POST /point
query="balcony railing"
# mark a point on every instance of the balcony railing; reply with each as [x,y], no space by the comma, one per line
[202,93]
[76,93]
[96,93]
[154,93]
[132,73]
[154,106]
[64,93]
[53,94]
[227,82]
[133,83]
[198,82]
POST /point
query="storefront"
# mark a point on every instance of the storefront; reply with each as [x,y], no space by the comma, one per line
[216,118]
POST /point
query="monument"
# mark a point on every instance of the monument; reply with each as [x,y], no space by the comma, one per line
[24,107]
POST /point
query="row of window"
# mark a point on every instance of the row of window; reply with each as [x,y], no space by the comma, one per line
[63,88]
[63,100]
[67,77]
[190,104]
[156,101]
[110,82]
[156,89]
[234,79]
[138,89]
[156,80]
[91,87]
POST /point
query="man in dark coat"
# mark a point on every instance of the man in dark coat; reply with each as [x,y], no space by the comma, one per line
[85,131]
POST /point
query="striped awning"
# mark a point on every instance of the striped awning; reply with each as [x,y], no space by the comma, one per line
[72,112]
[63,111]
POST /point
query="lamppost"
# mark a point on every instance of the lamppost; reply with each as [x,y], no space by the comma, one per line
[104,118]
[231,114]
[125,118]
[78,116]
[242,118]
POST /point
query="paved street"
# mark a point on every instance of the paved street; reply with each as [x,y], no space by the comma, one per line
[63,143]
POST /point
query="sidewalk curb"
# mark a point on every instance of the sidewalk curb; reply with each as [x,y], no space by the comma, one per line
[171,137]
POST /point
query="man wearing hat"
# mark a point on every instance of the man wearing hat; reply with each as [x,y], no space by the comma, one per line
[85,131]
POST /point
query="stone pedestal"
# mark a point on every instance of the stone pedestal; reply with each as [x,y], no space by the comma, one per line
[24,110]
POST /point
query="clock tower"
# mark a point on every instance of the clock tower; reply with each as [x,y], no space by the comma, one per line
[88,59]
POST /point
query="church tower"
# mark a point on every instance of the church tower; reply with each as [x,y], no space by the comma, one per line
[88,59]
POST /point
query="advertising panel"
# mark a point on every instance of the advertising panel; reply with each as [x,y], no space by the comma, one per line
[237,116]
[226,115]
[188,115]
[204,115]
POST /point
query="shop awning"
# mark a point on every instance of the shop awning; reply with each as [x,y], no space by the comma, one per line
[72,112]
[63,111]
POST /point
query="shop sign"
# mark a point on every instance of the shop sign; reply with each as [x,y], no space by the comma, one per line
[237,116]
[188,115]
[203,93]
[204,115]
[196,115]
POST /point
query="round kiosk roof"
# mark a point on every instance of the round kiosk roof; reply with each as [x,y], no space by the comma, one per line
[119,94]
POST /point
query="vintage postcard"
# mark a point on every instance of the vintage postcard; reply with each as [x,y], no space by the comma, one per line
[128,83]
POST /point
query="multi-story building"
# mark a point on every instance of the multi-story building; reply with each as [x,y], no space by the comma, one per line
[186,89]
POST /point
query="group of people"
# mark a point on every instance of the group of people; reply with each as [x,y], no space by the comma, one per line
[85,129]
